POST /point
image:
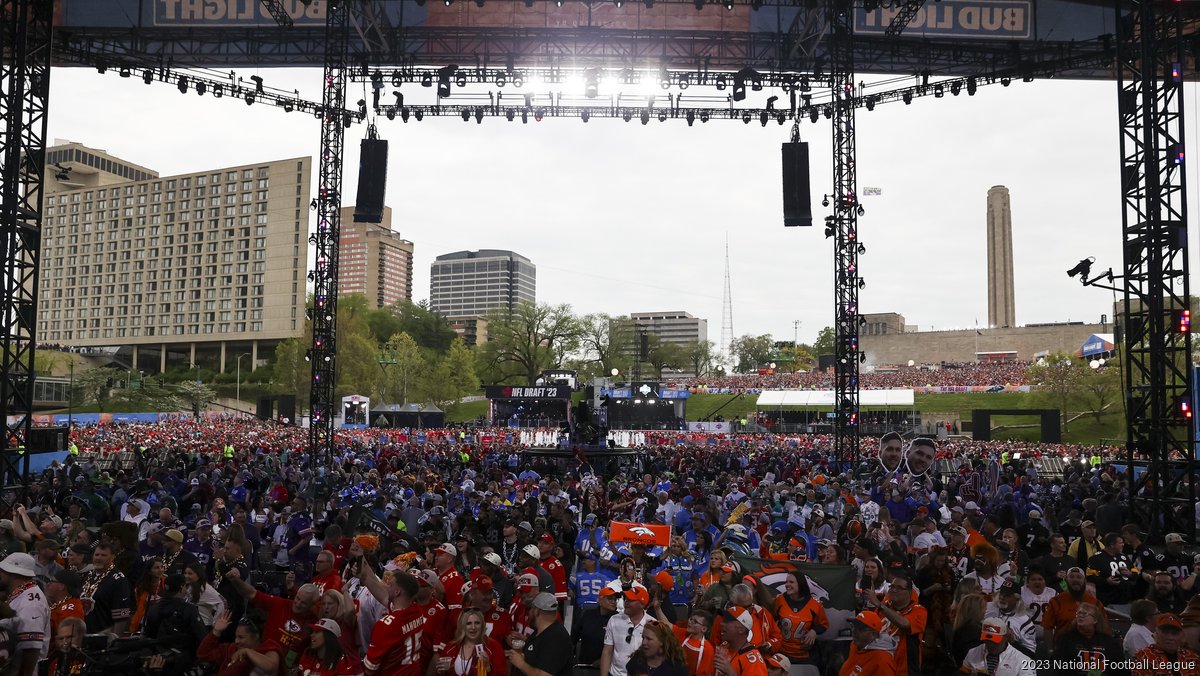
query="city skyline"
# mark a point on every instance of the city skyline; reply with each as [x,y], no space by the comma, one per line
[619,216]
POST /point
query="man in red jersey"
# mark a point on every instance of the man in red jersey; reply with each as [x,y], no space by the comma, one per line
[552,565]
[399,645]
[287,619]
[437,616]
[480,594]
[518,612]
[452,580]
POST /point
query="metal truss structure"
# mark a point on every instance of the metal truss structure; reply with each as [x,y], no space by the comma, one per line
[278,13]
[1157,319]
[324,275]
[799,49]
[907,11]
[846,247]
[25,45]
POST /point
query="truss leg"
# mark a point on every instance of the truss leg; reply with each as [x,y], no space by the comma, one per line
[25,45]
[329,203]
[1157,349]
[845,221]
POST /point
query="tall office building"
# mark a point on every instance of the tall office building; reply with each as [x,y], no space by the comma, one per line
[199,268]
[469,283]
[374,260]
[1002,307]
[674,326]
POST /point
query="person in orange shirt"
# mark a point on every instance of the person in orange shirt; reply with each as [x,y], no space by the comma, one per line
[698,651]
[904,620]
[1060,612]
[870,648]
[801,618]
[764,633]
[62,593]
[737,656]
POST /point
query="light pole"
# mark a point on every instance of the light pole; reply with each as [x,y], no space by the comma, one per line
[239,380]
[388,358]
[71,398]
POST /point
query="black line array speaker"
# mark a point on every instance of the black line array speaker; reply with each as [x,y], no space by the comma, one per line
[265,409]
[372,180]
[287,408]
[797,200]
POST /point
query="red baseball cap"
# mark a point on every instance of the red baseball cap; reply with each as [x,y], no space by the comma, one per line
[869,619]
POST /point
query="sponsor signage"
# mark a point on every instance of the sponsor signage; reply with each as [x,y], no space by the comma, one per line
[233,12]
[999,19]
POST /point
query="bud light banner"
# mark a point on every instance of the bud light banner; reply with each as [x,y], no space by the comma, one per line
[997,19]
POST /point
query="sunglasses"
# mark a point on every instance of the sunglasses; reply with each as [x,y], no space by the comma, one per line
[629,636]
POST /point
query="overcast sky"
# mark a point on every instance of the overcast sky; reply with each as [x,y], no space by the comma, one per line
[620,217]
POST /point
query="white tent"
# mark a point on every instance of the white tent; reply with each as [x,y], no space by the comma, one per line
[825,398]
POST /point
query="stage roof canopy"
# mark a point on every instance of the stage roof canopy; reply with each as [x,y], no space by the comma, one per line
[824,398]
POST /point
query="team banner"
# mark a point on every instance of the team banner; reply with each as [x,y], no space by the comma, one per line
[833,586]
[652,535]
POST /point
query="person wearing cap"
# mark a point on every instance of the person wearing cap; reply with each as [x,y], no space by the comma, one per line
[764,632]
[480,594]
[1167,653]
[1007,606]
[870,648]
[174,557]
[439,620]
[996,656]
[30,624]
[1034,536]
[1062,608]
[778,665]
[46,560]
[1087,644]
[1174,559]
[1086,545]
[62,595]
[737,655]
[527,588]
[716,595]
[550,563]
[325,655]
[399,645]
[452,580]
[906,620]
[548,650]
[590,626]
[492,566]
[200,543]
[8,541]
[528,562]
[623,635]
[585,585]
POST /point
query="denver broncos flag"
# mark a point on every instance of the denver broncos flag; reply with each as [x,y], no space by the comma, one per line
[833,586]
[640,534]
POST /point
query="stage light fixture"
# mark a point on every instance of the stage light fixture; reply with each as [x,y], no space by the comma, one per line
[479,115]
[756,4]
[971,86]
[813,115]
[1083,269]
[626,116]
[828,112]
[147,76]
[584,115]
[652,401]
[782,117]
[861,210]
[419,114]
[861,249]
[391,113]
[509,115]
[538,114]
[870,103]
[862,283]
[729,5]
[249,99]
[558,3]
[201,88]
[662,116]
[938,92]
[619,3]
[466,115]
[645,117]
[125,71]
[448,2]
[907,98]
[460,79]
[524,117]
[699,4]
[218,91]
[825,201]
[955,87]
[690,116]
[746,117]
[1005,81]
[830,227]
[649,4]
[591,82]
[703,116]
[404,114]
[182,84]
[529,3]
[764,117]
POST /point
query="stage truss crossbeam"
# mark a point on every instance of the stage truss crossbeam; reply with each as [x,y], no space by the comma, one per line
[25,46]
[1157,339]
[845,240]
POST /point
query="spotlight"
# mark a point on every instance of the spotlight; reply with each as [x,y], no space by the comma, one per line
[729,5]
[763,117]
[955,87]
[125,72]
[971,86]
[391,113]
[419,114]
[183,84]
[591,85]
[479,3]
[448,2]
[529,3]
[249,99]
[147,76]
[218,91]
[626,116]
[825,201]
[907,98]
[813,115]
[828,112]
[466,115]
[524,117]
[862,283]
[662,116]
[690,116]
[756,4]
[645,117]
[479,115]
[703,116]
[649,4]
[404,114]
[1005,81]
[289,107]
[1083,269]
[861,249]
[861,210]
[746,117]
[938,91]
[830,228]
[538,114]
[699,5]
[585,116]
[618,3]
[870,103]
[509,115]
[201,88]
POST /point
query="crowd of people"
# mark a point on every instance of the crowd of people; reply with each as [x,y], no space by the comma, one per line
[224,547]
[946,374]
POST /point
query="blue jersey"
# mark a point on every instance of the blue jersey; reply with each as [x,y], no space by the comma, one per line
[683,570]
[587,586]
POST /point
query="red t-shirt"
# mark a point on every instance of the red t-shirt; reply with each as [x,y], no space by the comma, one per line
[518,618]
[452,582]
[214,652]
[399,645]
[326,582]
[553,566]
[283,626]
[437,622]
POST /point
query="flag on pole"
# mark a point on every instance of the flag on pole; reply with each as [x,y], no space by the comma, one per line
[833,586]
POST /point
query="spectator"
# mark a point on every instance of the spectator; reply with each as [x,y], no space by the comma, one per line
[996,657]
[870,648]
[249,652]
[176,624]
[547,651]
[106,595]
[471,651]
[1166,654]
[325,655]
[1143,616]
[398,645]
[623,635]
[1061,611]
[659,655]
[1087,643]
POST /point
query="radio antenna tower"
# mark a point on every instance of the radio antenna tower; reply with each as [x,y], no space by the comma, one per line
[727,309]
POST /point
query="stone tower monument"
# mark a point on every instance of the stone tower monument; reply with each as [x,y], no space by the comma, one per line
[1002,307]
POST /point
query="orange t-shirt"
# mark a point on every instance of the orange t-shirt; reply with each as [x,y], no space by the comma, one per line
[794,624]
[765,632]
[868,663]
[748,662]
[916,616]
[697,654]
[68,608]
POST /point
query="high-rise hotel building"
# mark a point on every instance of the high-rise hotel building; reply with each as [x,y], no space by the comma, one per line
[374,260]
[172,271]
[469,283]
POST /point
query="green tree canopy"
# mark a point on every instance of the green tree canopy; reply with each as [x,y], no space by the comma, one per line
[530,339]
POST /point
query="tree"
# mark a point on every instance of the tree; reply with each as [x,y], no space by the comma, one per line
[406,364]
[529,340]
[825,342]
[45,362]
[751,352]
[1101,387]
[661,354]
[292,372]
[358,370]
[428,328]
[196,394]
[95,386]
[795,358]
[606,342]
[699,354]
[1057,376]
